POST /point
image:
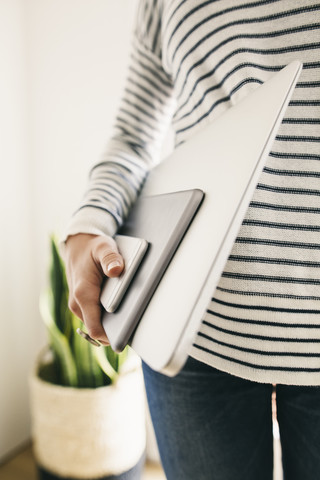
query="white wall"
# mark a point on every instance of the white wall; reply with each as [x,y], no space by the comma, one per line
[62,64]
[16,275]
[78,61]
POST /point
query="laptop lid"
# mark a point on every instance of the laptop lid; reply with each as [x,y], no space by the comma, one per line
[224,161]
[161,220]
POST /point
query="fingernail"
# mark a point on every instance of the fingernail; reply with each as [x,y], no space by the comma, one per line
[112,265]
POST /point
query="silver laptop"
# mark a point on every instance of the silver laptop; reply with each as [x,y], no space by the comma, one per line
[161,220]
[224,161]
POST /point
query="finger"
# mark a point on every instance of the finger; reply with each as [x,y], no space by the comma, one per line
[107,255]
[72,303]
[92,320]
[75,307]
[87,296]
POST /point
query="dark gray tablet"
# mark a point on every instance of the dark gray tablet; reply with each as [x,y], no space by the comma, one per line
[162,221]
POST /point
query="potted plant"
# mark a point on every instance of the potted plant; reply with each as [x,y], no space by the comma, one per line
[87,403]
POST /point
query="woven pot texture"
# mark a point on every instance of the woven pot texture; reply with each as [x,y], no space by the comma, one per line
[81,433]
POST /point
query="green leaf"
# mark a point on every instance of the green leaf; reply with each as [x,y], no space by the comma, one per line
[59,343]
[113,358]
[102,360]
[60,291]
[122,357]
[89,371]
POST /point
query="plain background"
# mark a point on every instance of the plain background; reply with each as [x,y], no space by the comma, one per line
[63,65]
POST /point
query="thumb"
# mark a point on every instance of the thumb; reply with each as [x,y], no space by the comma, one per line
[114,266]
[109,258]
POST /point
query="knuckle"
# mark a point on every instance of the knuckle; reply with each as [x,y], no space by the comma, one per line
[80,292]
[72,304]
[106,249]
[105,241]
[94,332]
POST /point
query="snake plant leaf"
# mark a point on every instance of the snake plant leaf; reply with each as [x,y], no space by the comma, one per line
[60,292]
[116,359]
[59,343]
[113,358]
[89,371]
[122,357]
[105,365]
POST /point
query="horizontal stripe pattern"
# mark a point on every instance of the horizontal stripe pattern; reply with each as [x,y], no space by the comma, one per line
[191,61]
[140,127]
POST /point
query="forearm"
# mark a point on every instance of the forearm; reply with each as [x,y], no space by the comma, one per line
[141,124]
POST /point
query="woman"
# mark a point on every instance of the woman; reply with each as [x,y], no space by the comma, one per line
[191,61]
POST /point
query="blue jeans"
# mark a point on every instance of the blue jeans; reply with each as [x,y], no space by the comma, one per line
[213,426]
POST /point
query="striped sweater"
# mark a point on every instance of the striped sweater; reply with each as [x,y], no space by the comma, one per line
[192,60]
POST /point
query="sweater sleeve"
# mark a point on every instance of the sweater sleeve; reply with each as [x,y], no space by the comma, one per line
[142,121]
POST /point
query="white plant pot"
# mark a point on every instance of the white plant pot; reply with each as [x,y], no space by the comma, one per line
[89,433]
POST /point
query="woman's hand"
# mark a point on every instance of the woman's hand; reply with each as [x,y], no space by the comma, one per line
[89,258]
